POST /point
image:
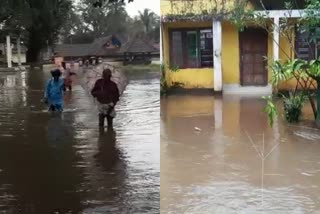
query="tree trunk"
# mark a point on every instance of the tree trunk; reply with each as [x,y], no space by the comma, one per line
[318,102]
[32,55]
[313,105]
[34,47]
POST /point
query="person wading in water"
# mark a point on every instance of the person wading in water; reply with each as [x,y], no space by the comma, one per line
[107,94]
[54,91]
[67,76]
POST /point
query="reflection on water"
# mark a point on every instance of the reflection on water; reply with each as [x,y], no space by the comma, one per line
[64,163]
[211,149]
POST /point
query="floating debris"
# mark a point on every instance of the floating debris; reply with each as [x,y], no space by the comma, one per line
[197,129]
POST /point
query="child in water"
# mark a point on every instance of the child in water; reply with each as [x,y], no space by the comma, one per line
[54,91]
[67,74]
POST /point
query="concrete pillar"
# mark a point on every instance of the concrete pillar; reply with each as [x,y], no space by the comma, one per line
[276,38]
[161,57]
[19,51]
[9,52]
[217,50]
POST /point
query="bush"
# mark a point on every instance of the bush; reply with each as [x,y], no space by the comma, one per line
[293,104]
[163,82]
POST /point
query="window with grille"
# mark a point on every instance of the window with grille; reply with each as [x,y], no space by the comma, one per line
[191,48]
[306,49]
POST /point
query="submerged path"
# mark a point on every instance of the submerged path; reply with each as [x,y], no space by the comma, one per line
[51,164]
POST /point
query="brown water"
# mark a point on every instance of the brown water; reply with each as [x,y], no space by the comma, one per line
[52,164]
[218,155]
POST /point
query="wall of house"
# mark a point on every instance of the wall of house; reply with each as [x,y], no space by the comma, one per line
[286,53]
[230,54]
[204,77]
[22,58]
[191,77]
[195,7]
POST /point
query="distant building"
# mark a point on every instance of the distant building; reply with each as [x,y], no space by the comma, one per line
[3,52]
[136,50]
[103,47]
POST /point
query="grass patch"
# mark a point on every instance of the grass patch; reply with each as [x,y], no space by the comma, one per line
[140,68]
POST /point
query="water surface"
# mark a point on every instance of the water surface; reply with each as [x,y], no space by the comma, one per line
[219,155]
[63,164]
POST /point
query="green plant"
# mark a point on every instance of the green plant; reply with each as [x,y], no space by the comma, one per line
[293,106]
[163,82]
[270,109]
[174,68]
[305,73]
[164,87]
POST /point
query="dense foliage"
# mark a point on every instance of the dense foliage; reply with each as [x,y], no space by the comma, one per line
[37,21]
[42,23]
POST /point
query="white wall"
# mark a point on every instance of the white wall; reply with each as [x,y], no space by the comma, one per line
[22,57]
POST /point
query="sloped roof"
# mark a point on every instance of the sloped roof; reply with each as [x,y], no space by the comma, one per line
[75,50]
[138,44]
[122,37]
[98,44]
[96,48]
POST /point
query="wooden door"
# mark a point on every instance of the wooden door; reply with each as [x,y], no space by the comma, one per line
[253,49]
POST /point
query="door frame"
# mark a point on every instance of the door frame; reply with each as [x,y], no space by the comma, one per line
[253,30]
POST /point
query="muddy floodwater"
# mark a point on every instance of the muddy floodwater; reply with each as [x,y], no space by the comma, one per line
[219,155]
[52,164]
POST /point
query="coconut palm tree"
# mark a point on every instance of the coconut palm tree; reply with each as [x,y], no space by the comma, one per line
[147,17]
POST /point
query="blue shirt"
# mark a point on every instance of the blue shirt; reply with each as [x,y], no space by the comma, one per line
[54,91]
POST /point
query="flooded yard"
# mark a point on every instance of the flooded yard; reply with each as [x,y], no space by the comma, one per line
[219,155]
[51,164]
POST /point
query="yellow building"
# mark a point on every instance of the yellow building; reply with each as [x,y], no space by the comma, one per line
[211,53]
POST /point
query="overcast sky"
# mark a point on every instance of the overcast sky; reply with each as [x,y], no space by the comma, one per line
[140,5]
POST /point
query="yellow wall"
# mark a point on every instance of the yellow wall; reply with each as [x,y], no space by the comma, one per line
[201,77]
[190,78]
[204,77]
[230,54]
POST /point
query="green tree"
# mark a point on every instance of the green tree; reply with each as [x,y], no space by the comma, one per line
[148,18]
[74,29]
[155,29]
[39,20]
[135,26]
[100,3]
[111,18]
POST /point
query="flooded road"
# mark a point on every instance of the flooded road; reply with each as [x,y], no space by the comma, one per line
[52,164]
[219,155]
